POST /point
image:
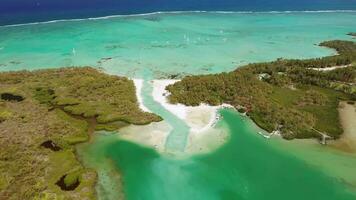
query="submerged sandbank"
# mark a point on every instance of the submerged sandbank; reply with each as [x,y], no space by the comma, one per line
[153,135]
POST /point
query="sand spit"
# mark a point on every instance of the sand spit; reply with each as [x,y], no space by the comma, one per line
[203,136]
[199,118]
[347,142]
[139,84]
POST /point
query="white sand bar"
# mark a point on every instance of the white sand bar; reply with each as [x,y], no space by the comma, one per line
[199,118]
[139,84]
[203,137]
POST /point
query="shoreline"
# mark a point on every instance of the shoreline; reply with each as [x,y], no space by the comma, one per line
[138,88]
[198,118]
[347,141]
[203,136]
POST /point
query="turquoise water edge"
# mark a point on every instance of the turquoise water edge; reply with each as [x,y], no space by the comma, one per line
[160,45]
[246,167]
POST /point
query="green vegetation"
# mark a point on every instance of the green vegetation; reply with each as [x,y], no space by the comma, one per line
[82,91]
[61,107]
[294,96]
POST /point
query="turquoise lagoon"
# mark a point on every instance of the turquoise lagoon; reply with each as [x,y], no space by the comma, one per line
[190,43]
[247,167]
[160,45]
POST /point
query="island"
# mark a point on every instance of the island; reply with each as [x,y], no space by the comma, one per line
[294,98]
[43,114]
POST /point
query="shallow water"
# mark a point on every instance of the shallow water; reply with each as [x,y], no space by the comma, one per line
[160,45]
[188,43]
[246,167]
[177,138]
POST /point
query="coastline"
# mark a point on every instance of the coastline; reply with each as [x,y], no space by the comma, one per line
[203,136]
[199,118]
[138,85]
[347,142]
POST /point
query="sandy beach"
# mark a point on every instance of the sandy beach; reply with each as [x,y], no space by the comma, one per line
[199,118]
[347,142]
[139,84]
[203,137]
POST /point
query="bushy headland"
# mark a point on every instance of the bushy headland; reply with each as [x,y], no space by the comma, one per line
[352,34]
[299,98]
[43,114]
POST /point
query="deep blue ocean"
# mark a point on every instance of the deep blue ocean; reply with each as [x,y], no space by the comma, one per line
[25,11]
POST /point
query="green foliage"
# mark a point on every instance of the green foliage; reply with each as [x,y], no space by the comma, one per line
[312,97]
[291,95]
[63,106]
[73,177]
[84,91]
[44,95]
[4,115]
[111,126]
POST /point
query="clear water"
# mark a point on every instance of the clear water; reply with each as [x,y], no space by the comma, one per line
[154,46]
[247,167]
[190,43]
[177,138]
[24,11]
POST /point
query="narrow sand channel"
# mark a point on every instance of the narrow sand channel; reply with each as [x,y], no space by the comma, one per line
[185,129]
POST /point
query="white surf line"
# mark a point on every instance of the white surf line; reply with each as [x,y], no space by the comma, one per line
[178,12]
[139,84]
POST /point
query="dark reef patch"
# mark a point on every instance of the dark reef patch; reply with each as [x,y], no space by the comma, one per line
[61,183]
[49,144]
[11,97]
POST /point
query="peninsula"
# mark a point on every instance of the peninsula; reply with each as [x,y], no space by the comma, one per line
[297,98]
[43,114]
